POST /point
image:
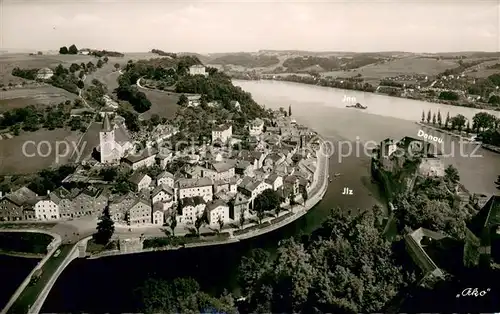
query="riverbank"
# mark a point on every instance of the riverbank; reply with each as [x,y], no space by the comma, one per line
[362,88]
[316,192]
[448,132]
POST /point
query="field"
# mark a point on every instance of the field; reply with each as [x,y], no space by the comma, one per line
[14,161]
[164,104]
[42,95]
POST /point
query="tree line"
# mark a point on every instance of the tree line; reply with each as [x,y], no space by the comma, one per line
[481,122]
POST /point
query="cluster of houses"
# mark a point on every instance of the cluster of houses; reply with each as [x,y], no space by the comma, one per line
[221,183]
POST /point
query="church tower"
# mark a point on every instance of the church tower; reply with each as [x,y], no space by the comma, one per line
[107,142]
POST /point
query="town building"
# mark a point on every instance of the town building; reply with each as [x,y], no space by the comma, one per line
[244,168]
[64,201]
[222,133]
[46,209]
[163,194]
[197,69]
[219,171]
[114,142]
[164,157]
[293,182]
[165,178]
[89,202]
[13,204]
[190,208]
[139,213]
[252,188]
[217,211]
[238,206]
[275,181]
[158,217]
[147,158]
[202,187]
[256,127]
[140,181]
[44,74]
[431,166]
[118,207]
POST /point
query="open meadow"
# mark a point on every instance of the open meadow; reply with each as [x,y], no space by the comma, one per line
[164,104]
[33,95]
[14,161]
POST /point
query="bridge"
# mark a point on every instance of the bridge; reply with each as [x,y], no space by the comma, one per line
[31,294]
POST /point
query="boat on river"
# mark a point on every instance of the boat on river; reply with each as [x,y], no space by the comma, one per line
[357,106]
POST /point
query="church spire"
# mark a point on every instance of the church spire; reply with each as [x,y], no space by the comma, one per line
[106,125]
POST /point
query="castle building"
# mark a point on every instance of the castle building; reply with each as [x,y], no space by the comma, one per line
[114,142]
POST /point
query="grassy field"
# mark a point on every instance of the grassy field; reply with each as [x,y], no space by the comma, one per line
[164,104]
[43,95]
[13,160]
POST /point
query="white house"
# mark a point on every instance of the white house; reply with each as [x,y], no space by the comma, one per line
[217,210]
[222,133]
[251,188]
[275,181]
[197,69]
[46,210]
[165,178]
[190,209]
[164,157]
[219,171]
[236,105]
[162,193]
[140,181]
[202,187]
[158,217]
[147,158]
[256,127]
[114,141]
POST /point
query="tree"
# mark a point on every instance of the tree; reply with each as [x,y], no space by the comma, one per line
[429,114]
[439,119]
[266,201]
[106,59]
[74,67]
[434,119]
[173,224]
[252,267]
[483,120]
[99,63]
[423,116]
[290,110]
[198,223]
[314,277]
[117,66]
[467,128]
[182,295]
[220,221]
[63,50]
[260,206]
[447,121]
[451,174]
[105,227]
[304,195]
[292,200]
[183,100]
[458,122]
[81,74]
[242,218]
[72,50]
[80,84]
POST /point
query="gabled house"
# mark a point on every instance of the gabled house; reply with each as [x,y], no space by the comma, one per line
[217,210]
[293,183]
[202,187]
[165,178]
[13,204]
[190,208]
[275,181]
[238,205]
[146,158]
[140,181]
[252,188]
[139,213]
[219,171]
[118,207]
[163,194]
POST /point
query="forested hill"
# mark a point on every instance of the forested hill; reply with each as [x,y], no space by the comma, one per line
[246,60]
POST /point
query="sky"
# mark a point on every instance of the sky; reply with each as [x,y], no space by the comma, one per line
[232,26]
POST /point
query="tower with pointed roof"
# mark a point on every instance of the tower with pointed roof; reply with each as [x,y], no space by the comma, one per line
[107,142]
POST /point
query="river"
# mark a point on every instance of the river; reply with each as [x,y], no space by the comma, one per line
[107,284]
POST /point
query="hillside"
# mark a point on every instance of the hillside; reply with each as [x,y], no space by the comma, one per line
[246,60]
